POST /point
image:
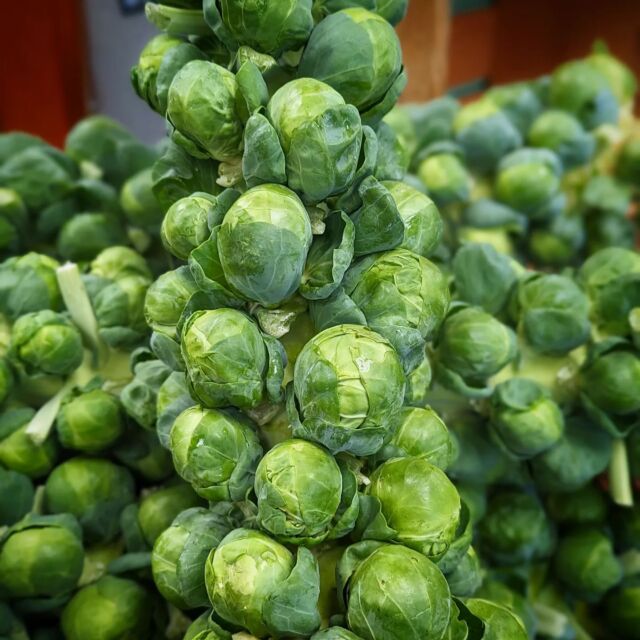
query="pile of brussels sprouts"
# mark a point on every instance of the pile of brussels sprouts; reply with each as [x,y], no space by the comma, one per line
[389,388]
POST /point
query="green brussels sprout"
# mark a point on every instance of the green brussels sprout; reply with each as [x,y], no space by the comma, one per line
[607,229]
[304,495]
[621,607]
[179,556]
[610,278]
[518,101]
[159,508]
[485,134]
[414,603]
[28,283]
[201,105]
[115,263]
[95,491]
[13,221]
[13,142]
[497,620]
[610,379]
[172,399]
[472,347]
[320,135]
[519,605]
[419,505]
[85,235]
[621,79]
[349,385]
[263,243]
[108,609]
[423,226]
[586,506]
[119,310]
[392,11]
[528,180]
[257,583]
[186,224]
[418,384]
[16,498]
[216,452]
[581,89]
[89,421]
[269,27]
[108,148]
[484,276]
[559,242]
[474,497]
[140,450]
[515,529]
[420,433]
[582,453]
[228,361]
[335,633]
[45,342]
[525,418]
[586,565]
[41,557]
[18,452]
[358,53]
[40,175]
[167,298]
[444,175]
[628,161]
[205,628]
[466,577]
[552,313]
[393,160]
[403,296]
[563,134]
[141,209]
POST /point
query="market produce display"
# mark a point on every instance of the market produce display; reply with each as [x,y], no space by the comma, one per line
[322,366]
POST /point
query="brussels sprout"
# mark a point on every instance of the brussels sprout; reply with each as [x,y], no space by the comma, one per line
[13,221]
[515,529]
[270,27]
[41,557]
[528,180]
[141,209]
[108,609]
[519,605]
[140,450]
[89,421]
[320,135]
[586,506]
[392,11]
[610,379]
[580,455]
[349,386]
[167,298]
[201,105]
[358,54]
[419,505]
[304,496]
[335,633]
[444,175]
[518,102]
[216,452]
[563,134]
[497,620]
[179,556]
[525,418]
[18,452]
[621,79]
[472,347]
[420,433]
[186,224]
[28,283]
[418,384]
[13,142]
[483,276]
[40,175]
[466,577]
[581,89]
[621,610]
[393,160]
[263,243]
[485,134]
[414,602]
[106,146]
[610,278]
[115,263]
[585,563]
[45,342]
[228,360]
[85,235]
[94,490]
[172,399]
[257,583]
[558,242]
[628,162]
[16,498]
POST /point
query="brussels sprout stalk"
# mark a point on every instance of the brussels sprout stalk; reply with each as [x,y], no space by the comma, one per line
[619,476]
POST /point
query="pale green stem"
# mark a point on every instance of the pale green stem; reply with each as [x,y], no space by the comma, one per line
[551,622]
[38,501]
[41,424]
[619,476]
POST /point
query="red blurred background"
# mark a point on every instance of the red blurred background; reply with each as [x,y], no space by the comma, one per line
[458,45]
